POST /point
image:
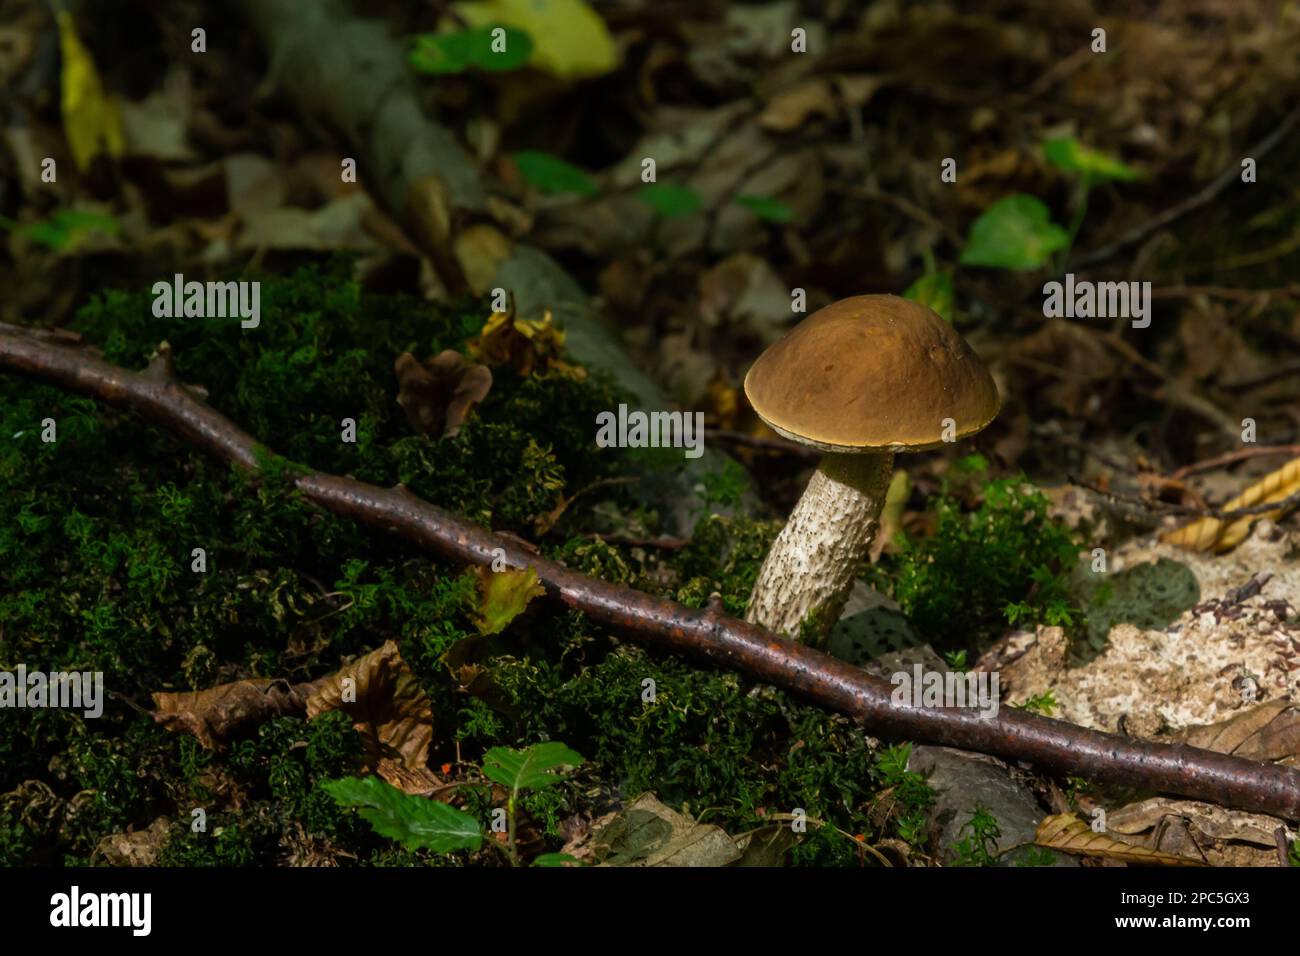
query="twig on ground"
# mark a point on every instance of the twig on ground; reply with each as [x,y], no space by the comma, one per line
[1053,746]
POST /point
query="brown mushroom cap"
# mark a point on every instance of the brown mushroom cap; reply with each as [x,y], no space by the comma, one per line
[872,372]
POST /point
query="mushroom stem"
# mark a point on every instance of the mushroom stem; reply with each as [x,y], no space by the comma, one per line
[810,570]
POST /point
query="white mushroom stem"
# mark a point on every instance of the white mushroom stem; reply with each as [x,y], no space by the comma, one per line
[809,571]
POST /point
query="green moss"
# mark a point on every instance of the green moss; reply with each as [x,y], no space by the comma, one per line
[96,538]
[1004,562]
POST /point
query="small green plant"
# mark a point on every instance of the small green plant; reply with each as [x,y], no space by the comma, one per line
[724,487]
[491,48]
[420,823]
[978,846]
[1037,856]
[911,795]
[1044,703]
[1293,854]
[956,659]
[1017,231]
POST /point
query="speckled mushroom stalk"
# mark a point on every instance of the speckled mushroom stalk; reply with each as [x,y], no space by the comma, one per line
[809,572]
[862,379]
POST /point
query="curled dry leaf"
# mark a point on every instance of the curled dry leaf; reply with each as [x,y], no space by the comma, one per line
[388,707]
[524,344]
[1219,535]
[438,395]
[1069,834]
[213,715]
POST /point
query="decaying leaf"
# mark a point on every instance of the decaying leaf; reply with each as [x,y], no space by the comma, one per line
[648,833]
[137,848]
[503,596]
[213,715]
[523,344]
[90,118]
[1270,731]
[1219,535]
[1069,834]
[389,708]
[437,396]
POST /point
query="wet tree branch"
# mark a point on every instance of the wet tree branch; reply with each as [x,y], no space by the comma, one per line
[1052,746]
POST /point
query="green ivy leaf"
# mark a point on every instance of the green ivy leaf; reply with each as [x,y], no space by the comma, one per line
[415,822]
[766,208]
[456,52]
[1014,233]
[934,290]
[530,768]
[669,200]
[1072,156]
[552,175]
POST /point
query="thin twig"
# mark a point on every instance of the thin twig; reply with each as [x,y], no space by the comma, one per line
[1165,507]
[1196,201]
[1053,746]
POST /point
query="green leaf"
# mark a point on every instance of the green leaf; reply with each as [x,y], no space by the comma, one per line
[764,207]
[503,595]
[1072,156]
[1014,233]
[415,822]
[557,859]
[934,290]
[65,228]
[669,200]
[530,768]
[456,52]
[552,175]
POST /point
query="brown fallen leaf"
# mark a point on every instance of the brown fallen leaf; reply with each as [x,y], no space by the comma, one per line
[1270,731]
[648,833]
[389,708]
[215,714]
[437,396]
[137,848]
[1069,834]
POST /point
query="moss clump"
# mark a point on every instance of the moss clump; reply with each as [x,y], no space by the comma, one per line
[1006,561]
[96,533]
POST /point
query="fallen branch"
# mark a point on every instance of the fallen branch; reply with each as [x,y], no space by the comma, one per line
[1052,746]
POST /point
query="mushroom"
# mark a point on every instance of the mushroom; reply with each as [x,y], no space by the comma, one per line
[860,379]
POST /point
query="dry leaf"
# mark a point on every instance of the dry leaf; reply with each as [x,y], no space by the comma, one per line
[648,833]
[1214,533]
[791,108]
[479,250]
[1069,834]
[438,395]
[1270,731]
[385,700]
[213,715]
[524,344]
[90,120]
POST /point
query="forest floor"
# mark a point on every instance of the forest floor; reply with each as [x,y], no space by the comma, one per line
[964,160]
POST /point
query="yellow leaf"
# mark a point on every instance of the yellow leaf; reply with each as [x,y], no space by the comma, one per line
[1206,533]
[570,39]
[503,596]
[523,344]
[90,120]
[1069,834]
